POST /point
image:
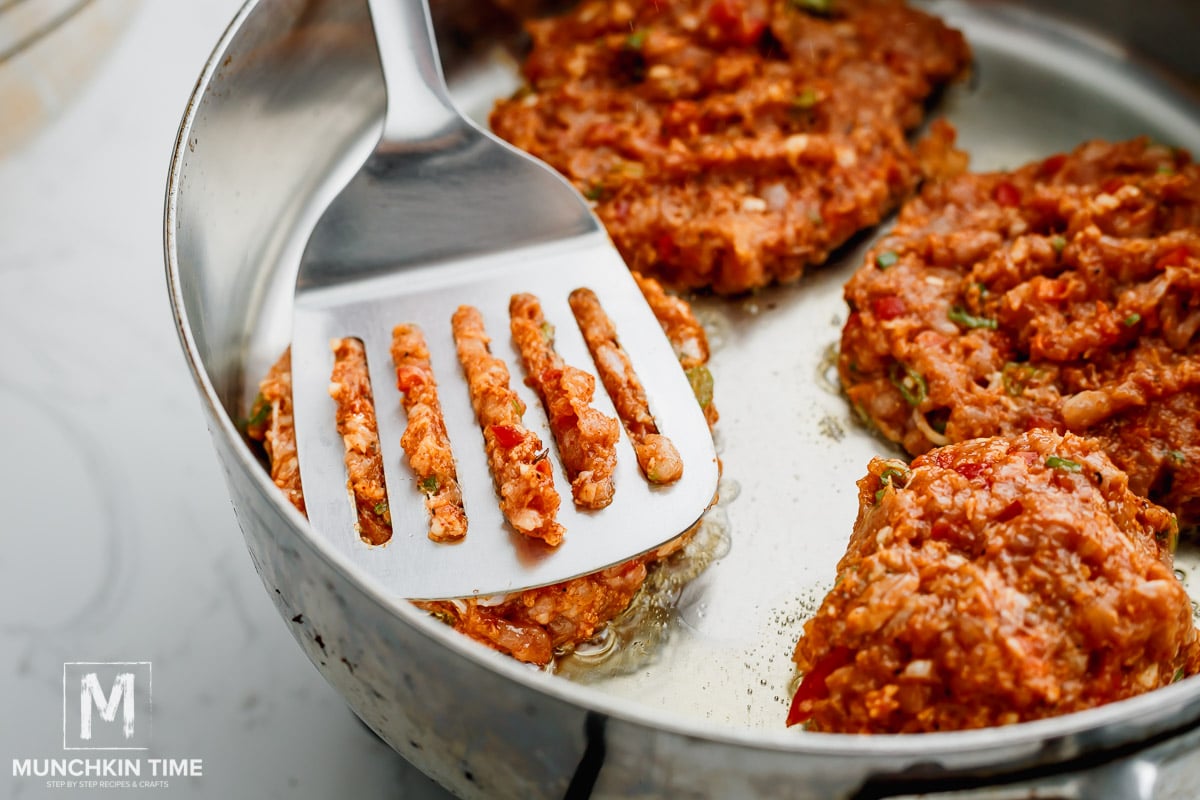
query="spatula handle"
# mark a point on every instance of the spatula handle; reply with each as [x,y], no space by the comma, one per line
[418,103]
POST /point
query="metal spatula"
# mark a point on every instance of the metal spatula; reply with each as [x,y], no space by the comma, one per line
[444,214]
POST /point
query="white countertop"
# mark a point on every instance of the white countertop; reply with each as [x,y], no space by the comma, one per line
[119,540]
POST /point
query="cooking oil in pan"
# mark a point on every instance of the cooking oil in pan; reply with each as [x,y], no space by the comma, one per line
[632,640]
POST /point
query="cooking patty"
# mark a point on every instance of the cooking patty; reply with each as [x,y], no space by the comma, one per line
[996,581]
[731,143]
[1063,295]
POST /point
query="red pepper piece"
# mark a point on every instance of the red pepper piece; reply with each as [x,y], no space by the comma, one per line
[1039,421]
[1052,165]
[888,307]
[970,470]
[813,687]
[1010,511]
[941,530]
[666,248]
[1175,257]
[1006,194]
[408,378]
[730,16]
[1112,185]
[507,435]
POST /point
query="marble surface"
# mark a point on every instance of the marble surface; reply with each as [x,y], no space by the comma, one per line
[119,540]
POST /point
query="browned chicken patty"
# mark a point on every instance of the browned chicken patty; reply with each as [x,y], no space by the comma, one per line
[731,143]
[1064,295]
[530,626]
[995,581]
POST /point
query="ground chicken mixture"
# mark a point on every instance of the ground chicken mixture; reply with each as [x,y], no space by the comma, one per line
[995,581]
[1063,295]
[586,438]
[732,143]
[350,388]
[425,439]
[534,625]
[656,454]
[523,475]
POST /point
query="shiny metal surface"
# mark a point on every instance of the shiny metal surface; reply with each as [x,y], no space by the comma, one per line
[700,716]
[443,214]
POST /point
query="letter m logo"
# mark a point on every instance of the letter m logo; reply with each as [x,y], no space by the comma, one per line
[111,708]
[90,694]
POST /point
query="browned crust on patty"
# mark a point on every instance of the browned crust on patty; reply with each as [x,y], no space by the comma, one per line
[586,439]
[656,455]
[532,625]
[731,143]
[997,581]
[523,476]
[425,439]
[1064,294]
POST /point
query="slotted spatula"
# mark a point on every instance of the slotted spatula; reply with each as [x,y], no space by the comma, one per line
[441,214]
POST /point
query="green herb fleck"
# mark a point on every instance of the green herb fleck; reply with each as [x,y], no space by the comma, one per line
[430,485]
[886,259]
[381,509]
[518,406]
[1132,319]
[635,40]
[891,477]
[1176,456]
[1170,537]
[910,383]
[815,217]
[1016,377]
[806,99]
[630,169]
[595,192]
[547,331]
[1178,676]
[961,316]
[702,385]
[1163,169]
[863,417]
[260,409]
[822,7]
[1059,243]
[1064,464]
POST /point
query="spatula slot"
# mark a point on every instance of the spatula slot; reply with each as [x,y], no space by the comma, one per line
[657,456]
[425,439]
[350,388]
[523,474]
[586,438]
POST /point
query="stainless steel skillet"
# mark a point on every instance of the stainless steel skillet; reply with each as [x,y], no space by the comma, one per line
[290,97]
